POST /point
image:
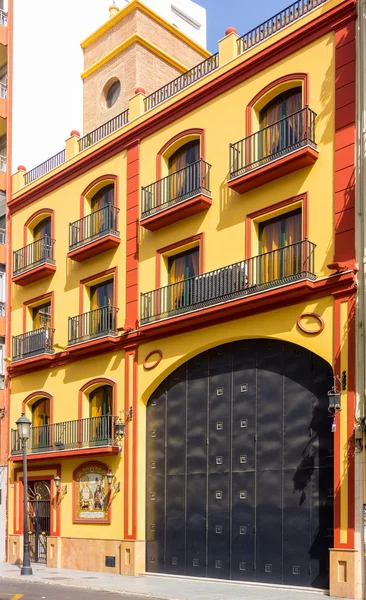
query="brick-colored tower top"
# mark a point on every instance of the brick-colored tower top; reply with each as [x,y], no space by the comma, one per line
[140,50]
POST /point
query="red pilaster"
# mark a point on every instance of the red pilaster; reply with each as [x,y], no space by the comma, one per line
[132,219]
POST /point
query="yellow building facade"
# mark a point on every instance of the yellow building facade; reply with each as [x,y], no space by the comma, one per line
[182,303]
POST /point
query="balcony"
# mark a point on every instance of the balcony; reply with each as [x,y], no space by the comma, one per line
[94,435]
[101,322]
[93,234]
[34,262]
[261,273]
[177,196]
[33,343]
[274,151]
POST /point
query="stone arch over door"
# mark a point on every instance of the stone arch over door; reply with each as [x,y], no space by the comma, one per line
[240,466]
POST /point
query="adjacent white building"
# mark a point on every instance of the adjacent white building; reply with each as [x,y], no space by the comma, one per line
[48,62]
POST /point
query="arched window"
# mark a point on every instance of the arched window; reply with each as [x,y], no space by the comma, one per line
[184,171]
[102,208]
[184,156]
[42,246]
[100,411]
[41,415]
[42,229]
[282,122]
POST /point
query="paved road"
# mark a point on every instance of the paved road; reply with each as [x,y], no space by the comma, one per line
[16,590]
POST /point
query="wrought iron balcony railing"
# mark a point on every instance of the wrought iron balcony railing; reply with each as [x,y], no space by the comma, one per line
[94,226]
[282,266]
[68,435]
[45,167]
[101,132]
[286,16]
[177,187]
[94,324]
[33,343]
[37,253]
[273,142]
[173,87]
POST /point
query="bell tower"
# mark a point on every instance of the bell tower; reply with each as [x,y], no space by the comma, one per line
[135,48]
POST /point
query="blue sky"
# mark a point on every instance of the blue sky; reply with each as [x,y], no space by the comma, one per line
[241,14]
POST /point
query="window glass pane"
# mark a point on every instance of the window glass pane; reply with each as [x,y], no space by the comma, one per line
[101,401]
[113,93]
[42,316]
[41,412]
[184,156]
[43,228]
[103,197]
[101,294]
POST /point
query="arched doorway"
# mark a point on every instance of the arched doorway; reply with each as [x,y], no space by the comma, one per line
[240,466]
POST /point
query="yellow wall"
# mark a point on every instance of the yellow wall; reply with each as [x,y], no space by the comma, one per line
[223,120]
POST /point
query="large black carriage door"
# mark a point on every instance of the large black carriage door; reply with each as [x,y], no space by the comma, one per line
[39,505]
[240,466]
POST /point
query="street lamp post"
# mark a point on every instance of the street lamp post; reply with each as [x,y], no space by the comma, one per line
[23,424]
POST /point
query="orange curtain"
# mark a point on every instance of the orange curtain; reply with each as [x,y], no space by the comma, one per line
[184,156]
[293,258]
[271,240]
[177,276]
[271,136]
[295,125]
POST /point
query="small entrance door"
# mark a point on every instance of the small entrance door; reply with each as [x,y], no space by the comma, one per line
[39,508]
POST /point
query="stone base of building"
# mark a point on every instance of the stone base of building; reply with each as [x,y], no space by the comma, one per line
[124,557]
[104,556]
[343,573]
[15,549]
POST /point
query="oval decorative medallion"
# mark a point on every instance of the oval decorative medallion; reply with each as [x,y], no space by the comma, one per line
[311,315]
[148,366]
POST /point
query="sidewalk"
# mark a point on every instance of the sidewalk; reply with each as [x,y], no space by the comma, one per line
[162,587]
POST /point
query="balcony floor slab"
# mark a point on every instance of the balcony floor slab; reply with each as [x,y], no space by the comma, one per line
[95,247]
[31,275]
[251,179]
[176,212]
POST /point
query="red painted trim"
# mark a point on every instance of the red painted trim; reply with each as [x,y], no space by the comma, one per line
[271,208]
[34,274]
[261,302]
[55,515]
[303,77]
[95,247]
[74,476]
[148,367]
[39,394]
[297,159]
[263,59]
[132,234]
[175,138]
[314,316]
[200,238]
[93,279]
[131,447]
[351,386]
[28,303]
[47,212]
[93,382]
[345,139]
[172,214]
[83,197]
[65,454]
